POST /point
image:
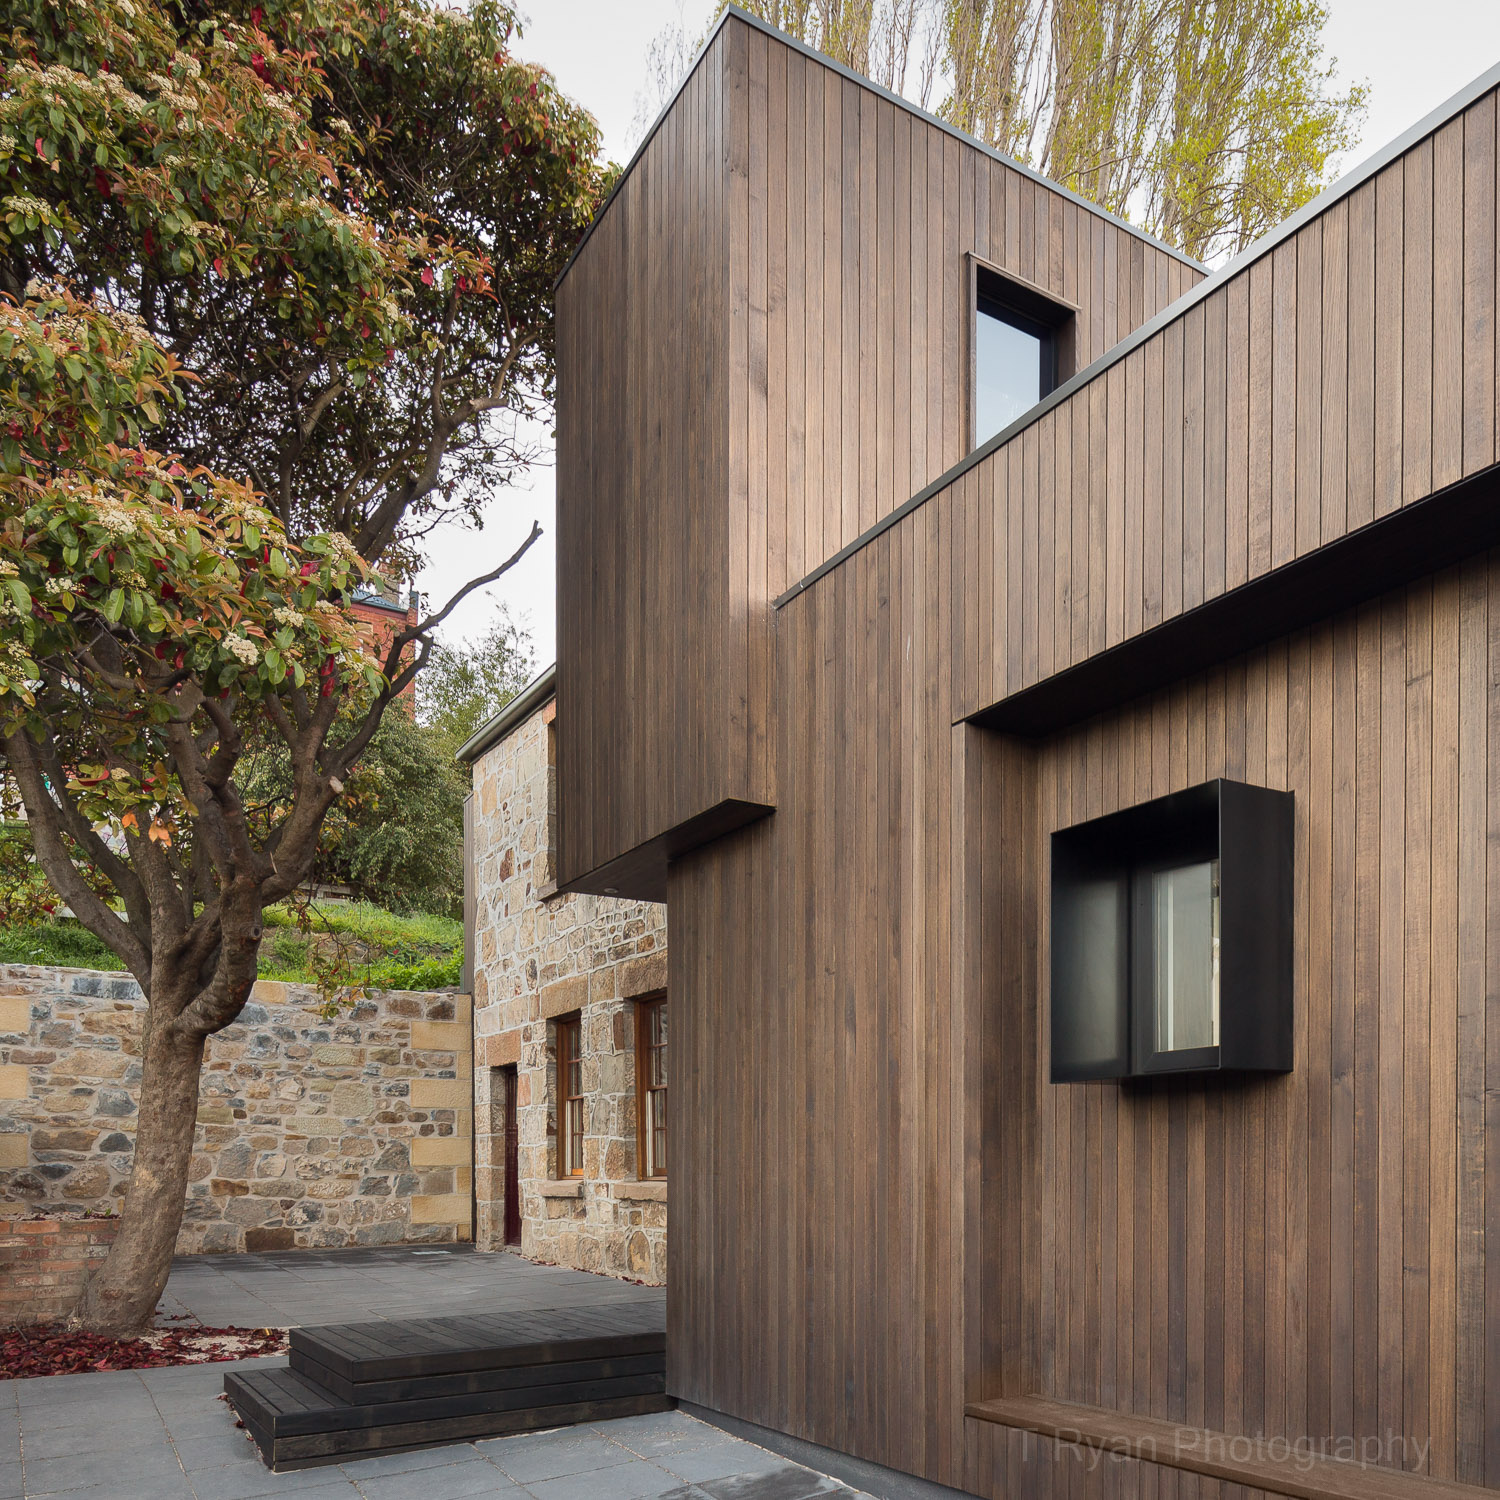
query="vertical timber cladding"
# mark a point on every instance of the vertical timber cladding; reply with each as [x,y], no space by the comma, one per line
[761,350]
[1336,379]
[884,1210]
[1300,1255]
[647,659]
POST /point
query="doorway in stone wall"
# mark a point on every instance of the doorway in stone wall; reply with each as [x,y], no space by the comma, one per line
[512,1149]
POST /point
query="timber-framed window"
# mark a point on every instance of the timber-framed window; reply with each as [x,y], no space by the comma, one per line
[1172,937]
[651,1085]
[1022,349]
[570,1097]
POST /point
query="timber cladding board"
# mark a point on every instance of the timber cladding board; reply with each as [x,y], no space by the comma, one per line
[761,349]
[861,983]
[1344,375]
[882,1213]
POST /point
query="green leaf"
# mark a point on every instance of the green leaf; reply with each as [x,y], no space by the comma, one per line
[114,604]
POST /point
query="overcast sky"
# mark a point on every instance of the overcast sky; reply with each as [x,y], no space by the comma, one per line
[1413,53]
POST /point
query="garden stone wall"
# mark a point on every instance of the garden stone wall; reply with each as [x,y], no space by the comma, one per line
[355,1131]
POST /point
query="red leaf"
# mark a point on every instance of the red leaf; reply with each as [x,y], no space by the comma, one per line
[426,275]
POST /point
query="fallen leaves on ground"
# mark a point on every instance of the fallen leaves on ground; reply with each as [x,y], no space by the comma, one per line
[46,1349]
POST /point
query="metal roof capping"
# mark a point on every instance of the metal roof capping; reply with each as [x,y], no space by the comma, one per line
[512,716]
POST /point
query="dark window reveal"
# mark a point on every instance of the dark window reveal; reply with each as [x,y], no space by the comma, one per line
[1172,937]
[1019,340]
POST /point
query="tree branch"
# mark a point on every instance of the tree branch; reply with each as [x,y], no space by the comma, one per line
[43,816]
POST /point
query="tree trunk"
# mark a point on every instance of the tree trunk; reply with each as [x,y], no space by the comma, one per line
[121,1296]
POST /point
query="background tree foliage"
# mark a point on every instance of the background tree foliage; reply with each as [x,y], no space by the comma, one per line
[1205,122]
[277,272]
[466,684]
[395,836]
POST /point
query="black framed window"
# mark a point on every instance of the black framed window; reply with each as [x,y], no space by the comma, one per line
[1172,937]
[1020,345]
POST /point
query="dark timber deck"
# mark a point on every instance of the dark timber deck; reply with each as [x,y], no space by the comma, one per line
[365,1388]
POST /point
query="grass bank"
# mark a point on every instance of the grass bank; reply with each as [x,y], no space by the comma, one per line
[387,951]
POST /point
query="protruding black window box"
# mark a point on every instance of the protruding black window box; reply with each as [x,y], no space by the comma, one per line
[1172,937]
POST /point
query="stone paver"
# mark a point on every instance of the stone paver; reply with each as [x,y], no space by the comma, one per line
[165,1435]
[303,1288]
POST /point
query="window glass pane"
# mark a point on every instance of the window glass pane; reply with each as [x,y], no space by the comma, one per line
[658,1136]
[1185,914]
[1007,373]
[1089,950]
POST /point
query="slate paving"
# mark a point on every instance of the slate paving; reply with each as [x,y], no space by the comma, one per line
[165,1435]
[302,1288]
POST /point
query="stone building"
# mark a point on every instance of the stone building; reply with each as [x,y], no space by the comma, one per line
[570,1025]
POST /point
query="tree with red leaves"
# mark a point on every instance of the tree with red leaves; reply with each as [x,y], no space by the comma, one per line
[276,278]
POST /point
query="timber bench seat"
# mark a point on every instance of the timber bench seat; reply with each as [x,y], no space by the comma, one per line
[354,1390]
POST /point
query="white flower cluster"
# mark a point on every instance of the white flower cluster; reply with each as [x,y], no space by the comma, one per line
[243,649]
[61,585]
[342,549]
[8,569]
[12,656]
[115,520]
[106,88]
[7,144]
[285,615]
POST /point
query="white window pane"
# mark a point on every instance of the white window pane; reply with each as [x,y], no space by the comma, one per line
[1185,913]
[1007,374]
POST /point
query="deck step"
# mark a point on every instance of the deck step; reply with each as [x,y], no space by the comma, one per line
[355,1390]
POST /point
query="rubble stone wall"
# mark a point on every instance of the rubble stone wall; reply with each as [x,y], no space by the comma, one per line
[540,956]
[355,1131]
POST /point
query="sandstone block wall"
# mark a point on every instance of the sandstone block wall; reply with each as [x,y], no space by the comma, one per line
[540,955]
[356,1131]
[44,1264]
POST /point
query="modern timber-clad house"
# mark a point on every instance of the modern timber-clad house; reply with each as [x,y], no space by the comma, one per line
[1055,692]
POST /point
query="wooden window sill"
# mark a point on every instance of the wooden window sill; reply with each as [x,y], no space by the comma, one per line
[567,1187]
[1096,1435]
[647,1190]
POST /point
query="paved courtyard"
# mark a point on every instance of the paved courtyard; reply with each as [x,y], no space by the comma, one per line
[300,1288]
[165,1435]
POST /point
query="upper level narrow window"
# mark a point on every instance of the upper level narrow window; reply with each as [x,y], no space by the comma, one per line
[651,1085]
[1021,344]
[570,1098]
